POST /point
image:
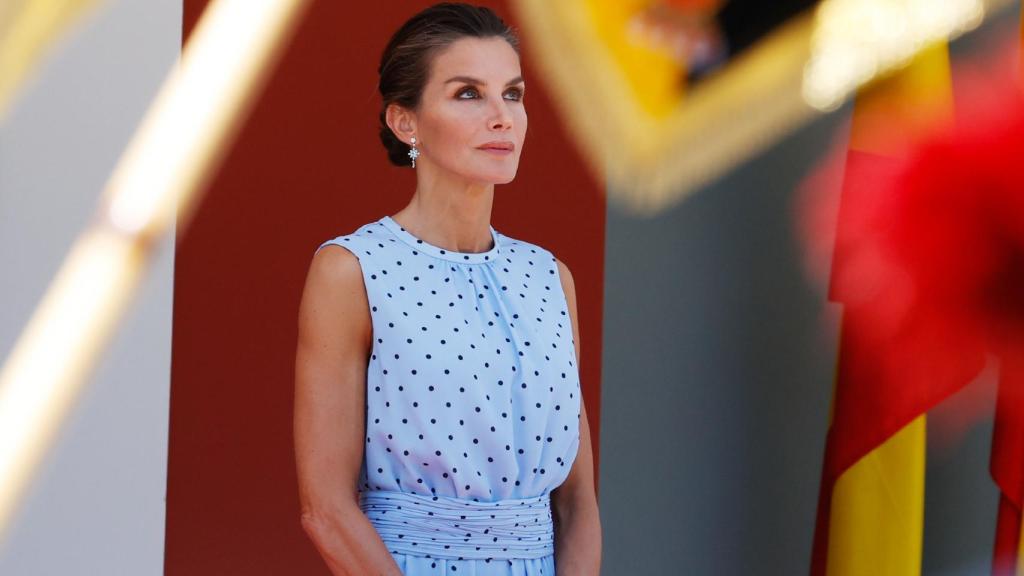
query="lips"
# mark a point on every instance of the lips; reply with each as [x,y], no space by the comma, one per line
[498,146]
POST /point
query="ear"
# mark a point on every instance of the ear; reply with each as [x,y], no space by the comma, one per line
[402,122]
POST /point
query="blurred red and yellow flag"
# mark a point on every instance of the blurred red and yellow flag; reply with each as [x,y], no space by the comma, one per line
[871,503]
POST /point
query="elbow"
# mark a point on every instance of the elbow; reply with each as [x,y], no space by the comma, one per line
[313,524]
[321,511]
[321,522]
[580,504]
[572,496]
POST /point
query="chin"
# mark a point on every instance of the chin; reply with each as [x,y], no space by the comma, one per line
[503,177]
[506,179]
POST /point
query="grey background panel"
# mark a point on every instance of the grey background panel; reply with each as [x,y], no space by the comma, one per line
[97,506]
[961,500]
[717,378]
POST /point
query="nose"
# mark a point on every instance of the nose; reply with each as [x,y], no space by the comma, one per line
[501,116]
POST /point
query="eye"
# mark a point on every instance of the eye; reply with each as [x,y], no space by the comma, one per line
[517,93]
[467,90]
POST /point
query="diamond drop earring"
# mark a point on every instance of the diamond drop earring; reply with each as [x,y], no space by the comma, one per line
[413,152]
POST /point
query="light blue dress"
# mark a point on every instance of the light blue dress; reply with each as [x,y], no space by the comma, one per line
[472,402]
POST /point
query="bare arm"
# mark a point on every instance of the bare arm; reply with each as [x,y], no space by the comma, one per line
[329,421]
[574,503]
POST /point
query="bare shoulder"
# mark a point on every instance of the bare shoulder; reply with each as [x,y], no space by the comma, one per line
[568,286]
[334,265]
[334,272]
[334,302]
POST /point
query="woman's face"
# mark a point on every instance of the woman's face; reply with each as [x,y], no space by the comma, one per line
[471,120]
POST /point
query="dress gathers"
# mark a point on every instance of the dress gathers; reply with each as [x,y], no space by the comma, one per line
[472,402]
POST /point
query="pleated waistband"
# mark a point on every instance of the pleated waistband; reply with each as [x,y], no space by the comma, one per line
[445,527]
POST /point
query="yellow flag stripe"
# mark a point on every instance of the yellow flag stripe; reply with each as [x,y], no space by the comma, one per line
[877,521]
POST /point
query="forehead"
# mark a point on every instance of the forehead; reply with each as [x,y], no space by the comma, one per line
[489,59]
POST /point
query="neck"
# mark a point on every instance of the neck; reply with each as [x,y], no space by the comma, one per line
[451,213]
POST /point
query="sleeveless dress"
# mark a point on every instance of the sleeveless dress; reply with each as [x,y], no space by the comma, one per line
[472,402]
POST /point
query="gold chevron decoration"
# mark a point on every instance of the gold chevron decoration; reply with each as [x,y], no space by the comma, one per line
[655,140]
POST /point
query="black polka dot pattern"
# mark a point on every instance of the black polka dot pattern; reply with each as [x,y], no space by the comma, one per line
[472,387]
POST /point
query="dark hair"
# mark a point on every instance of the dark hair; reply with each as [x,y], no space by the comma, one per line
[405,63]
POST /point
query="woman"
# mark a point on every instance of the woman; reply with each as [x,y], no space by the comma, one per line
[439,426]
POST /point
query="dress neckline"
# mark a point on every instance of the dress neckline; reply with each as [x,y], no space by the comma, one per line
[443,253]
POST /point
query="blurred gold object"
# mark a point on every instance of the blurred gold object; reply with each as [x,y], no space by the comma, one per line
[173,153]
[652,160]
[27,29]
[855,41]
[655,147]
[652,74]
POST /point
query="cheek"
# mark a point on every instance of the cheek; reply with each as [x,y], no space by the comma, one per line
[520,126]
[455,129]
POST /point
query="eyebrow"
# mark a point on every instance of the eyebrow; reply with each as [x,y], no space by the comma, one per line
[471,80]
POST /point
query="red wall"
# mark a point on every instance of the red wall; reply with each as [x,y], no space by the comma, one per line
[308,167]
